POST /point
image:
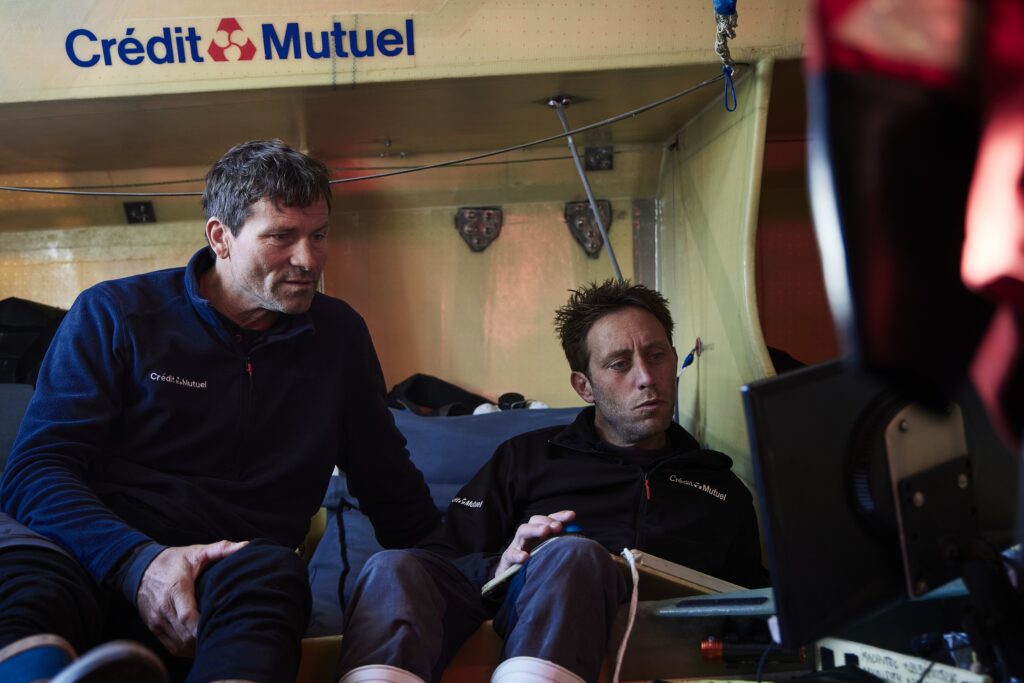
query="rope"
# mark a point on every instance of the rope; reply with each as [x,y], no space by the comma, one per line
[725,28]
[551,138]
[730,89]
[631,560]
[185,181]
[726,21]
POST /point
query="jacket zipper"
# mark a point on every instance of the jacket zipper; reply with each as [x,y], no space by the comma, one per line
[644,500]
[248,415]
[250,397]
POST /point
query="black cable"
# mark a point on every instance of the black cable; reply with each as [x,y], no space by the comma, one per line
[924,674]
[402,171]
[764,658]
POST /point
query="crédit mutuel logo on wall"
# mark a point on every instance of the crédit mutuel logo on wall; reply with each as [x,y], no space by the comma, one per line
[231,42]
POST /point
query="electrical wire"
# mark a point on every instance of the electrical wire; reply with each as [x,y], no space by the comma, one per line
[928,670]
[761,662]
[402,171]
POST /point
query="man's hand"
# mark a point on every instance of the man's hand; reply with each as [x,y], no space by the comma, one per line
[529,534]
[167,593]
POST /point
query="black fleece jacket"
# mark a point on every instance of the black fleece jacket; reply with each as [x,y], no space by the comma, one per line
[685,506]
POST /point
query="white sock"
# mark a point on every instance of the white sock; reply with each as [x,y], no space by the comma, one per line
[532,670]
[380,673]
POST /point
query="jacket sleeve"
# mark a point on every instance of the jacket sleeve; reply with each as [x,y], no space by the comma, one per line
[482,518]
[743,563]
[65,437]
[391,490]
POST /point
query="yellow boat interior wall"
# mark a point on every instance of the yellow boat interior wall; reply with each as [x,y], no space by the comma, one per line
[709,193]
[481,320]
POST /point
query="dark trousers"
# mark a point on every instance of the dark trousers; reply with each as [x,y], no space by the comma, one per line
[253,605]
[413,609]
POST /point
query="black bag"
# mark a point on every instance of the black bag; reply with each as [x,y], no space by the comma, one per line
[26,329]
[429,395]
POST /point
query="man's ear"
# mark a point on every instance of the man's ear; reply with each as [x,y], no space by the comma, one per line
[218,235]
[581,383]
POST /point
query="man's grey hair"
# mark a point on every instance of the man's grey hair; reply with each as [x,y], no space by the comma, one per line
[262,168]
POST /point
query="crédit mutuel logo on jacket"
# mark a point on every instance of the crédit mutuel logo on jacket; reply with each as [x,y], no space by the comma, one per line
[233,42]
[180,381]
[710,490]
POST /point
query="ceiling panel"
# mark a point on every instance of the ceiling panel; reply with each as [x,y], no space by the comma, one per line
[449,116]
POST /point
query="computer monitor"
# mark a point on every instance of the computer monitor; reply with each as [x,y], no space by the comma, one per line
[830,566]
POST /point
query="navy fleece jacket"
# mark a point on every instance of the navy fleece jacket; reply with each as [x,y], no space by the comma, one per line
[153,426]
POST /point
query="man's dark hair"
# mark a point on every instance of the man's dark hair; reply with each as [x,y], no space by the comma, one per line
[262,168]
[592,302]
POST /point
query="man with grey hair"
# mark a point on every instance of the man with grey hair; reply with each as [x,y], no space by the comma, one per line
[183,432]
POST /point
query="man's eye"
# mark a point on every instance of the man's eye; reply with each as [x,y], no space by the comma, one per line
[619,365]
[319,237]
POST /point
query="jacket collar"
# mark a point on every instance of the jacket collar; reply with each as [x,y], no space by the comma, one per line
[581,435]
[201,261]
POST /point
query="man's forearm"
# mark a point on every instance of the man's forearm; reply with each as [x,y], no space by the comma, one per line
[65,437]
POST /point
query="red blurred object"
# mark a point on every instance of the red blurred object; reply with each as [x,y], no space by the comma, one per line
[920,108]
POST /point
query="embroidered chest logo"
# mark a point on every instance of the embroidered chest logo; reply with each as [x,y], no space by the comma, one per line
[180,381]
[710,490]
[468,503]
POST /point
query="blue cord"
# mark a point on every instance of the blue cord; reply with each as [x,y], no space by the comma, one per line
[729,88]
[687,361]
[761,662]
[725,6]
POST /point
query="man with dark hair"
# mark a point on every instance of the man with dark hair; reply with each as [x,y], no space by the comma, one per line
[182,434]
[622,471]
[587,305]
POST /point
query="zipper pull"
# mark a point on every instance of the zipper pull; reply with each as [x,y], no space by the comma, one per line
[647,487]
[248,367]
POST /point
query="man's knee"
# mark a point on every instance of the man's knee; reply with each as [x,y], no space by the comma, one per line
[54,578]
[263,571]
[571,552]
[392,562]
[47,592]
[255,605]
[264,558]
[392,569]
[576,565]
